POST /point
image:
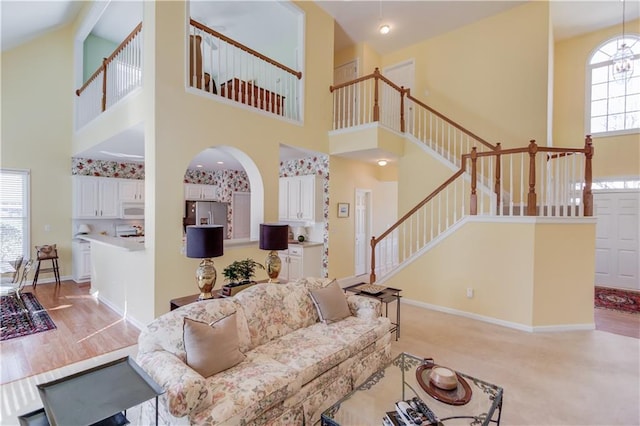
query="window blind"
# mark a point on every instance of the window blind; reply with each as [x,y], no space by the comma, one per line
[14,214]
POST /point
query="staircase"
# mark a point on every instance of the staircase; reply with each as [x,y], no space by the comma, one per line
[487,180]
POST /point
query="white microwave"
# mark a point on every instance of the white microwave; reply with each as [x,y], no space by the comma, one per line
[132,211]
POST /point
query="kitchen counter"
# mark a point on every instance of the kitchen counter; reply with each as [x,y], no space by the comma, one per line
[121,243]
[304,244]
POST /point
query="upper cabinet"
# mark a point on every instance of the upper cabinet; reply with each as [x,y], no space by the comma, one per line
[95,197]
[131,189]
[199,192]
[301,198]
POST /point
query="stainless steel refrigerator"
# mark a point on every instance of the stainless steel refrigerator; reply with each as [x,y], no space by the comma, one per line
[206,213]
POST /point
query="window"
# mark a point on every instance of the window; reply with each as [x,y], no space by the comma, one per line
[614,105]
[14,213]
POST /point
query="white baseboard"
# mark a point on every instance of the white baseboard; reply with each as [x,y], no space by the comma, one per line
[503,323]
[49,280]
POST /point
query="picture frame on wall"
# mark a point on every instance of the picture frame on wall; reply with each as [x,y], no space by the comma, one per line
[343,209]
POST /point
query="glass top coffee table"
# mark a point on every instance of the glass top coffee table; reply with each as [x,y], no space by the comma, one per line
[369,403]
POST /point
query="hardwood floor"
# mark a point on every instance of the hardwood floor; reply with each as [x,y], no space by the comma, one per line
[85,329]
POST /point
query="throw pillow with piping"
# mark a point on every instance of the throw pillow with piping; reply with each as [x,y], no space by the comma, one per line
[330,302]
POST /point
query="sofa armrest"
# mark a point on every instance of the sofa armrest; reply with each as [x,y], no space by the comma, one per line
[364,307]
[184,388]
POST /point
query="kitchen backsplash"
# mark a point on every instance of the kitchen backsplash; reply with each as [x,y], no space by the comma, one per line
[315,165]
[102,168]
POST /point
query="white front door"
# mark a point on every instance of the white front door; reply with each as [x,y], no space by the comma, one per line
[617,239]
[362,214]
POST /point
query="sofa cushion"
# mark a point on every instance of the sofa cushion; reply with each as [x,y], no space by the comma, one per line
[310,355]
[275,310]
[246,390]
[211,348]
[330,302]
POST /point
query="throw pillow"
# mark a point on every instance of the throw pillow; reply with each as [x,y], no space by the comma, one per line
[330,302]
[212,348]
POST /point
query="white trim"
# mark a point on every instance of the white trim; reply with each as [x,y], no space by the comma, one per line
[137,324]
[496,321]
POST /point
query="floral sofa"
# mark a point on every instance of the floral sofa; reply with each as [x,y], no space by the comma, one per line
[294,367]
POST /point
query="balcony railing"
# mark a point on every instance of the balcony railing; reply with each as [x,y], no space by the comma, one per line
[119,75]
[224,67]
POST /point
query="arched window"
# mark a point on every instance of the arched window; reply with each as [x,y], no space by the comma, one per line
[614,103]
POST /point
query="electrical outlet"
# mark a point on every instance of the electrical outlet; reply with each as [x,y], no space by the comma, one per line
[469,292]
[47,228]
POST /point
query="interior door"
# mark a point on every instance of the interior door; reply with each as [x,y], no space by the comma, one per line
[362,214]
[349,99]
[241,214]
[403,75]
[617,239]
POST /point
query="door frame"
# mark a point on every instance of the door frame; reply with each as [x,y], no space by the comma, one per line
[368,229]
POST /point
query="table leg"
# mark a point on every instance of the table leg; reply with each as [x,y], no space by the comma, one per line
[156,410]
[397,317]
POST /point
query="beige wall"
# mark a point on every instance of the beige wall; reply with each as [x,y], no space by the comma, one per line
[527,274]
[614,155]
[347,176]
[490,76]
[37,88]
[186,123]
[368,59]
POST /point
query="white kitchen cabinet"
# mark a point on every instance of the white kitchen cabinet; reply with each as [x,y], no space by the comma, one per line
[301,198]
[95,198]
[193,191]
[131,190]
[300,261]
[81,254]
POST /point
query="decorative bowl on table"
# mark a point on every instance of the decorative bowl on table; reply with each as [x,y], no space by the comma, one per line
[443,378]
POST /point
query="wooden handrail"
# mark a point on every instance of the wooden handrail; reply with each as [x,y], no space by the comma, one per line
[244,48]
[453,123]
[351,82]
[107,60]
[532,149]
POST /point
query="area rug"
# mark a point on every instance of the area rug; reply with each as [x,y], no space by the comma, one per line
[15,323]
[617,299]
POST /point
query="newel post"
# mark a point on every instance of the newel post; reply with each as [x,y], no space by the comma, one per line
[104,84]
[532,198]
[473,202]
[376,106]
[587,195]
[497,186]
[372,277]
[402,90]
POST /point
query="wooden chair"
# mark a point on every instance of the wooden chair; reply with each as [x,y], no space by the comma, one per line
[43,253]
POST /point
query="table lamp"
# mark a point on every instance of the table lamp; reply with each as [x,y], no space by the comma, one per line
[205,242]
[273,236]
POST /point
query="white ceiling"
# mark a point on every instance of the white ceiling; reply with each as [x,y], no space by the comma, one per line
[356,21]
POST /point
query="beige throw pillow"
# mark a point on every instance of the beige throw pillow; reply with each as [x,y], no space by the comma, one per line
[212,348]
[330,302]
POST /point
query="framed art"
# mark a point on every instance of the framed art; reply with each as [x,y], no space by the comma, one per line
[343,209]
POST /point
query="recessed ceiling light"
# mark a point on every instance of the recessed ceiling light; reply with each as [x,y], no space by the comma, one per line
[384,29]
[219,162]
[382,162]
[199,166]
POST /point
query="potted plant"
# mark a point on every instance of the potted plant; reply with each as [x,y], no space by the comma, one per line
[239,275]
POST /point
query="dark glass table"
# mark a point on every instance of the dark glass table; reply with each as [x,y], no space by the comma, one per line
[98,395]
[369,403]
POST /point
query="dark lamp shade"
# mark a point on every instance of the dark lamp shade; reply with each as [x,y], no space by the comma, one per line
[274,236]
[204,241]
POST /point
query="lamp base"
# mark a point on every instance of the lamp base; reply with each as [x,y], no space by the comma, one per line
[273,264]
[206,278]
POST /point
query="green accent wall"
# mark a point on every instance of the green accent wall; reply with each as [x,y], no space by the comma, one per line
[95,49]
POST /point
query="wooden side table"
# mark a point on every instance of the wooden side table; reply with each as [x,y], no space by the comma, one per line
[185,300]
[388,295]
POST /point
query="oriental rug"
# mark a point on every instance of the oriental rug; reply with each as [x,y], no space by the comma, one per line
[617,299]
[14,322]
